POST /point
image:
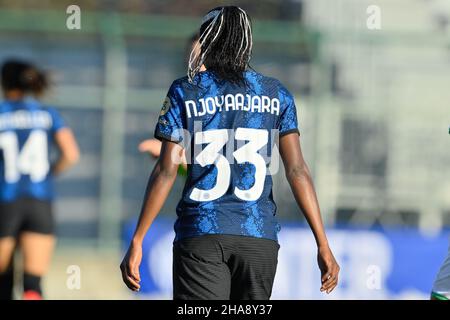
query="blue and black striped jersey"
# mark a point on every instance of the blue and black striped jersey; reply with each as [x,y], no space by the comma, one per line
[228,132]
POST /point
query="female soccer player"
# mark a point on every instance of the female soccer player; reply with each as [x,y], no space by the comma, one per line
[224,116]
[27,129]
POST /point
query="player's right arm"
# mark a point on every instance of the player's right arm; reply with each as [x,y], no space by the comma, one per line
[299,178]
[158,188]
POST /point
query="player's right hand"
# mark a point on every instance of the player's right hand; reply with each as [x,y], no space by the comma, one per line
[130,267]
[329,269]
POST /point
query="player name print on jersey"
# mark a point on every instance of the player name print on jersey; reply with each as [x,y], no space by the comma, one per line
[233,102]
[25,120]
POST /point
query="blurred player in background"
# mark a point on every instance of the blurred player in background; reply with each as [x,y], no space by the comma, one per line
[226,244]
[27,131]
[441,285]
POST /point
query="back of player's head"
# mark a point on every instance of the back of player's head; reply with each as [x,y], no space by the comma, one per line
[23,76]
[225,42]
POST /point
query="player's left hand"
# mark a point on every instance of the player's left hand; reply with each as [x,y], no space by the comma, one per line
[329,269]
[130,267]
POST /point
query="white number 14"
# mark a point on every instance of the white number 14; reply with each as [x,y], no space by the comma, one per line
[31,160]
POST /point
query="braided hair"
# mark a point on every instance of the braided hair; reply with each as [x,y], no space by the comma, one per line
[226,45]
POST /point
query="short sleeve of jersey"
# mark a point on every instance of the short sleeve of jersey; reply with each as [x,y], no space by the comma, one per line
[57,121]
[170,124]
[287,122]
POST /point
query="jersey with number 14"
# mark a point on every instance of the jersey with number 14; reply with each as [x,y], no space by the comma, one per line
[228,132]
[26,131]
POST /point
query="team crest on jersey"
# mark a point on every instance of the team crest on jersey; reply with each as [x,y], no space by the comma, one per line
[166,106]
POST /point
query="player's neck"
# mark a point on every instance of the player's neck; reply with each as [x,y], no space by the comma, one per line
[14,95]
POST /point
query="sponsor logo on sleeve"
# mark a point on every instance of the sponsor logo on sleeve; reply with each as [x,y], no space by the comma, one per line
[166,106]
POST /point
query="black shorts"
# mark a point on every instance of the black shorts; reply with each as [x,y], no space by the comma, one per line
[26,214]
[223,267]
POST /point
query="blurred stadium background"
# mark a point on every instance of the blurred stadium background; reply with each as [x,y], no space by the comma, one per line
[374,114]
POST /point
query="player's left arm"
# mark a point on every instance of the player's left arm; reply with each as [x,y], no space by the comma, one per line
[299,178]
[69,152]
[158,188]
[66,142]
